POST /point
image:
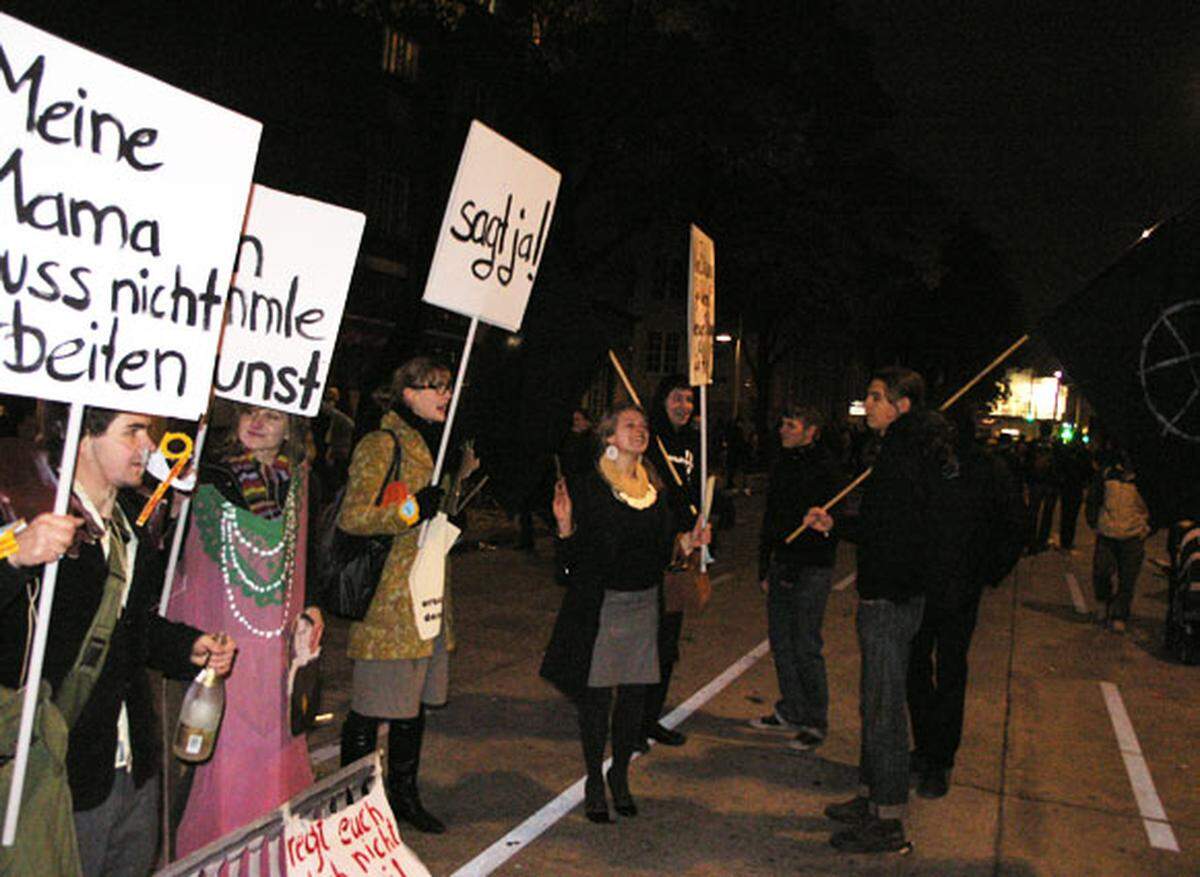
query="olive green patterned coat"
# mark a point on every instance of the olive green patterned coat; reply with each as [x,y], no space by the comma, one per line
[389,631]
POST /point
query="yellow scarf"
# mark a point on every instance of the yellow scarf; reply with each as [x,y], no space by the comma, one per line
[634,490]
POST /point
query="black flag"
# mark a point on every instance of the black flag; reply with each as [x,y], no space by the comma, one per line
[1131,340]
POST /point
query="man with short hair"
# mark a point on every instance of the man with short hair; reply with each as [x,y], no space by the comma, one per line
[112,753]
[892,530]
[796,578]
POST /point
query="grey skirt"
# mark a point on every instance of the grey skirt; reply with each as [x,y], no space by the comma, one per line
[626,648]
[396,689]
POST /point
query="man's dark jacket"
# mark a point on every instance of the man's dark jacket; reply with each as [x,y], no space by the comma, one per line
[800,479]
[894,527]
[141,639]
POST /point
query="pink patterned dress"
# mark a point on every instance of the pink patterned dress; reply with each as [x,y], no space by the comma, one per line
[244,574]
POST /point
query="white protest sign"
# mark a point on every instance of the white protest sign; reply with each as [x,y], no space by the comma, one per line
[294,265]
[702,304]
[361,840]
[121,200]
[494,232]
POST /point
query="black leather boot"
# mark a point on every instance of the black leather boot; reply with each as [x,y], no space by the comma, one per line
[404,758]
[360,735]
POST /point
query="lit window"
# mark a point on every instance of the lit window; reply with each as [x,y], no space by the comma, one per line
[662,352]
[400,55]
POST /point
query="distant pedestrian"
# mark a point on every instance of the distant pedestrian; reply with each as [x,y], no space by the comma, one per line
[1041,479]
[894,532]
[797,577]
[1118,514]
[1074,466]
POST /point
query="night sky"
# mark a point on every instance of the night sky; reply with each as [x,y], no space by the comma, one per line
[1065,127]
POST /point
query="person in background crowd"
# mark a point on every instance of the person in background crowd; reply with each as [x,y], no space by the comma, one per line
[333,436]
[616,535]
[1118,514]
[396,673]
[671,424]
[980,531]
[1041,480]
[1074,467]
[243,570]
[894,531]
[577,454]
[112,753]
[797,578]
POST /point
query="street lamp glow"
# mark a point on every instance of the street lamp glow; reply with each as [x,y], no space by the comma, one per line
[723,338]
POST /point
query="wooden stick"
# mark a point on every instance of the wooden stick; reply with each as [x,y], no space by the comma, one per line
[703,466]
[954,398]
[62,497]
[662,449]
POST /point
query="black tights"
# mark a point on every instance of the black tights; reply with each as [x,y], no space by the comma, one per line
[594,707]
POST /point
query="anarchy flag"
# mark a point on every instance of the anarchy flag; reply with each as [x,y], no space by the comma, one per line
[1131,340]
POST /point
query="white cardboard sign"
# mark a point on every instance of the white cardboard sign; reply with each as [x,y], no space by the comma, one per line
[493,235]
[702,307]
[293,270]
[121,199]
[361,840]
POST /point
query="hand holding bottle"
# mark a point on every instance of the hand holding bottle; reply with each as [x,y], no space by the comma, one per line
[214,651]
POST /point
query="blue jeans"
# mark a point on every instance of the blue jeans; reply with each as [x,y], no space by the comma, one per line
[885,632]
[795,613]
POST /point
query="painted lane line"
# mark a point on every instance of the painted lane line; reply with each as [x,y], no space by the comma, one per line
[571,797]
[1154,817]
[1076,595]
[842,584]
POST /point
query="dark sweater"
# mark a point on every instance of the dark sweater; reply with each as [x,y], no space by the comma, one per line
[614,547]
[800,479]
[141,639]
[893,527]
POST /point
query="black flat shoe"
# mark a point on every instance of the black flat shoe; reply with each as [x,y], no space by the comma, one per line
[666,736]
[642,746]
[595,802]
[623,801]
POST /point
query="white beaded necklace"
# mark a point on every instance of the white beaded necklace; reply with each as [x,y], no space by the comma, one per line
[231,537]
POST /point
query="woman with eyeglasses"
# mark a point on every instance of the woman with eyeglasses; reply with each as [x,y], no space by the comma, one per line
[396,673]
[616,536]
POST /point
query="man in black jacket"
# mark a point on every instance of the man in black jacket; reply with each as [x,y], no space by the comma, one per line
[978,519]
[673,438]
[894,533]
[796,577]
[112,753]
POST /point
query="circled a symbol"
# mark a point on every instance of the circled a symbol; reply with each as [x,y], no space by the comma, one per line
[1169,370]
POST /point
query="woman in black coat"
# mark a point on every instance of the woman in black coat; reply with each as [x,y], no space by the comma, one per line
[615,539]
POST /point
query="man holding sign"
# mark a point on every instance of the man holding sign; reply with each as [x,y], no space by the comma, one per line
[105,634]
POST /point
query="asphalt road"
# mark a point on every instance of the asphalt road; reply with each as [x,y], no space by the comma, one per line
[1074,736]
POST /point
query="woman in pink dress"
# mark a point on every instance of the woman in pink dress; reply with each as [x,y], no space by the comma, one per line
[242,571]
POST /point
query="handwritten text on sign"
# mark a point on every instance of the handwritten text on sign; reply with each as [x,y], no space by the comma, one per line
[702,307]
[121,199]
[294,265]
[494,232]
[359,841]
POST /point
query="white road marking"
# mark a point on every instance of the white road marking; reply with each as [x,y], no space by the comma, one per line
[571,797]
[842,584]
[1154,817]
[1076,595]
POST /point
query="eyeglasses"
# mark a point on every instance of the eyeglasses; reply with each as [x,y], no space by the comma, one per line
[440,387]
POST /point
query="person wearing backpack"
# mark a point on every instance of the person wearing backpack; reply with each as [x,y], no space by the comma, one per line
[1118,514]
[396,673]
[104,631]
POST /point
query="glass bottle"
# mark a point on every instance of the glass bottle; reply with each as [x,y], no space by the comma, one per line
[200,717]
